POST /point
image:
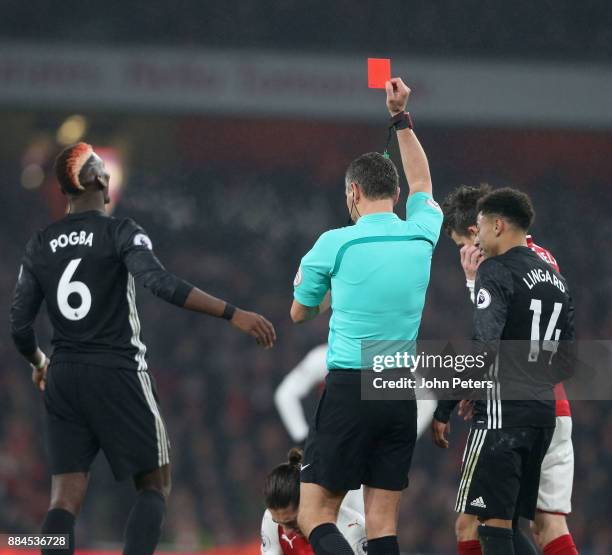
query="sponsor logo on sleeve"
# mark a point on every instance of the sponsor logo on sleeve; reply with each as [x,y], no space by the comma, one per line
[298,277]
[141,240]
[265,542]
[434,204]
[483,298]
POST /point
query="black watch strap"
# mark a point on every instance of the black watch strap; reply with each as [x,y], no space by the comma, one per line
[228,311]
[401,121]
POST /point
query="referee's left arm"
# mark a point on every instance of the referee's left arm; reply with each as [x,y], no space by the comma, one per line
[312,283]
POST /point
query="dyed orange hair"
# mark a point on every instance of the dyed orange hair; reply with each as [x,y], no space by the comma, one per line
[69,164]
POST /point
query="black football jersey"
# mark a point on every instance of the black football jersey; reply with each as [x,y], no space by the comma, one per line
[523,313]
[85,266]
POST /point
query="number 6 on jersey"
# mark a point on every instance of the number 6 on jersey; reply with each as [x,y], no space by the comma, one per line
[65,288]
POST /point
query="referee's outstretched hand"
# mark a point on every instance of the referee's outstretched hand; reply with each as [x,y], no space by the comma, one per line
[256,326]
[397,95]
[439,432]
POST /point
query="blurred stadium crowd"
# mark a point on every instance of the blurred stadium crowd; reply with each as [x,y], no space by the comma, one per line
[561,29]
[232,206]
[239,233]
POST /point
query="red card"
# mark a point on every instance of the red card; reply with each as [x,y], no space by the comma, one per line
[379,72]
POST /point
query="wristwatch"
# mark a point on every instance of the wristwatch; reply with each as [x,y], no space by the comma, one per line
[401,121]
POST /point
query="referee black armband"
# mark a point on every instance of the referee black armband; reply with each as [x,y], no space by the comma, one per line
[228,311]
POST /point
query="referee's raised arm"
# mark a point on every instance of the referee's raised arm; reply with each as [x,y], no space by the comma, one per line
[376,274]
[414,160]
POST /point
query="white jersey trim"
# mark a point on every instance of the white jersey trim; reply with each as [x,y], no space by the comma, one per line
[163,455]
[135,325]
[475,440]
[494,404]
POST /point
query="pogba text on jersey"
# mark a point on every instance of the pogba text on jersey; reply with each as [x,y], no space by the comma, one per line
[73,238]
[85,267]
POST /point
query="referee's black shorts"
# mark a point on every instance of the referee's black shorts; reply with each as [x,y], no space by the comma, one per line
[354,442]
[91,407]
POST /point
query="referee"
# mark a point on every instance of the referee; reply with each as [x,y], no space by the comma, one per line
[375,274]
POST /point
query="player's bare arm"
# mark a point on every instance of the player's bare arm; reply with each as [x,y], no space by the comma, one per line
[414,160]
[141,262]
[440,432]
[251,323]
[300,313]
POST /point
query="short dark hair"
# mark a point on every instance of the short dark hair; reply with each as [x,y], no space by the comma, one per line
[282,485]
[511,204]
[459,208]
[375,174]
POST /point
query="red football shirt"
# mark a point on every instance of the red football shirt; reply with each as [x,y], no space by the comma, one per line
[293,544]
[563,406]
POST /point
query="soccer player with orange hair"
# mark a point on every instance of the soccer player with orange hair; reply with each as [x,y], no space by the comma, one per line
[98,392]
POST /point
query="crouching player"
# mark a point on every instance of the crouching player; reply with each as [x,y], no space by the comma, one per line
[280,533]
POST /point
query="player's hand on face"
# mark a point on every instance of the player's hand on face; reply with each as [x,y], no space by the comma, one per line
[466,409]
[439,432]
[471,258]
[39,375]
[397,95]
[256,326]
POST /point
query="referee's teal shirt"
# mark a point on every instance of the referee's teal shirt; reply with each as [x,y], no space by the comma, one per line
[378,272]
